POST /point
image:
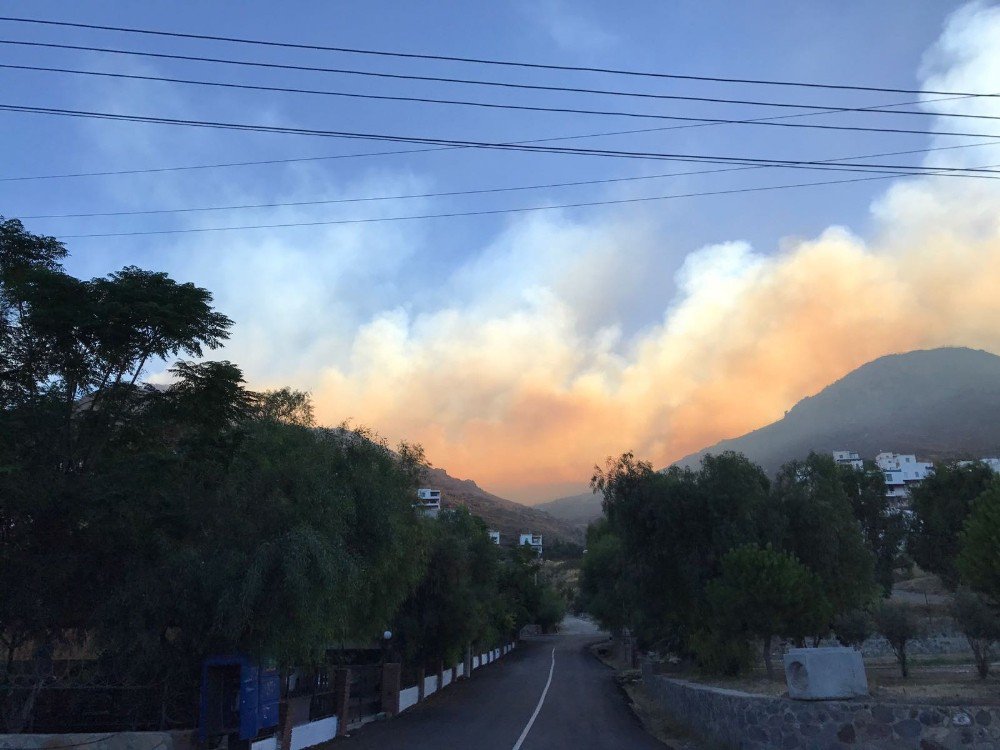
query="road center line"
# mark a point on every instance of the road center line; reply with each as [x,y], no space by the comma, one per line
[527,728]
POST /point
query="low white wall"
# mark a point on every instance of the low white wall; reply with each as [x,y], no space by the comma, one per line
[475,662]
[268,743]
[446,678]
[313,733]
[430,685]
[460,669]
[408,697]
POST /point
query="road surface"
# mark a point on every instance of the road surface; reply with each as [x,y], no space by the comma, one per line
[582,708]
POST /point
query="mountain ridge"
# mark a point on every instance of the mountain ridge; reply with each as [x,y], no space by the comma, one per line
[940,404]
[506,516]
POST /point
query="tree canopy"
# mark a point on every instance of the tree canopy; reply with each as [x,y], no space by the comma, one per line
[168,523]
[656,563]
[762,593]
[941,503]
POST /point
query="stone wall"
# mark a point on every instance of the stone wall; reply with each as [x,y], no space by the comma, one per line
[733,719]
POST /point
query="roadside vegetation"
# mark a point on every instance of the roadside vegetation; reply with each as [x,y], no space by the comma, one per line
[716,565]
[144,527]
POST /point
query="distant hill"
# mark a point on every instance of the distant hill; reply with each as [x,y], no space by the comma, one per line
[939,404]
[577,510]
[506,516]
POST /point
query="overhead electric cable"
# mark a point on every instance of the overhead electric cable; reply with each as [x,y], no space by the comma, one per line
[498,105]
[823,109]
[479,60]
[763,121]
[350,135]
[482,191]
[484,212]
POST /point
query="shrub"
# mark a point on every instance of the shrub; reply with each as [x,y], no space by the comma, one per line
[853,627]
[980,625]
[763,593]
[720,653]
[899,625]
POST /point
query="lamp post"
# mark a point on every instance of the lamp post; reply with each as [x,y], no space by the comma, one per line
[386,639]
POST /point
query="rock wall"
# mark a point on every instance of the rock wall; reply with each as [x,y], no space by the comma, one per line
[734,719]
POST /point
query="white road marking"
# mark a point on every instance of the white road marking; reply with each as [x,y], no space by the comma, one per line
[527,728]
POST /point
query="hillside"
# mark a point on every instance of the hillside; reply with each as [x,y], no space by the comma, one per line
[939,404]
[506,516]
[577,510]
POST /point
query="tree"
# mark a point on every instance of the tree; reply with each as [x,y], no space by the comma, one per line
[898,625]
[853,627]
[170,523]
[883,530]
[451,606]
[762,593]
[979,561]
[941,503]
[815,523]
[675,527]
[605,592]
[980,625]
[71,353]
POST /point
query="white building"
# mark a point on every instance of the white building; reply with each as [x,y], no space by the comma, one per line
[494,536]
[532,540]
[992,463]
[428,502]
[901,472]
[849,458]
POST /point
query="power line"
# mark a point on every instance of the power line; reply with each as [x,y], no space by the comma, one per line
[498,105]
[454,193]
[484,212]
[299,159]
[288,130]
[291,160]
[818,109]
[763,121]
[481,61]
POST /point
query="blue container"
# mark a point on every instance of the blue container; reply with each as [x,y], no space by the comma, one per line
[237,696]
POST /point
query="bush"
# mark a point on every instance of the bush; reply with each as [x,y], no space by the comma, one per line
[980,625]
[978,561]
[720,653]
[763,593]
[899,625]
[853,627]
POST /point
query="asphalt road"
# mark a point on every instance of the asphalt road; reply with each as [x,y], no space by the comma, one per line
[582,709]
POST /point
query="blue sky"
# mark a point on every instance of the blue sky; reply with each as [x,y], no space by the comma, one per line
[497,325]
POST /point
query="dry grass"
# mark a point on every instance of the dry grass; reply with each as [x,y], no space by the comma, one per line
[944,678]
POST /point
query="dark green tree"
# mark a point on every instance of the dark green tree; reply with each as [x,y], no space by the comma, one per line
[979,623]
[941,503]
[675,527]
[762,593]
[884,531]
[451,607]
[606,593]
[899,625]
[853,627]
[167,524]
[979,559]
[816,524]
